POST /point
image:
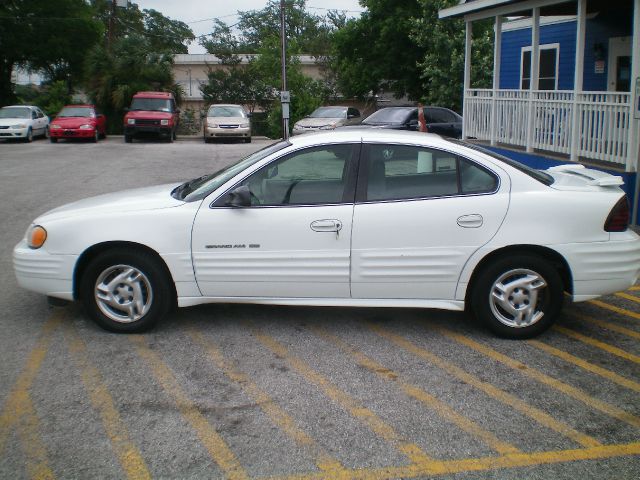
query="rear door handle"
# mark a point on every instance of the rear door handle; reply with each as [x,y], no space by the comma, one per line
[470,221]
[328,225]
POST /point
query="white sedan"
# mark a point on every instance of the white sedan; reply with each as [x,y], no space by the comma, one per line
[346,218]
[23,122]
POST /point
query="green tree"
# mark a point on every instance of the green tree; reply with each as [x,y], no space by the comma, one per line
[376,52]
[50,97]
[114,77]
[44,35]
[442,67]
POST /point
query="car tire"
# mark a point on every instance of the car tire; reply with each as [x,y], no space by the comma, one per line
[247,140]
[128,139]
[53,140]
[126,291]
[29,137]
[518,296]
[96,135]
[46,133]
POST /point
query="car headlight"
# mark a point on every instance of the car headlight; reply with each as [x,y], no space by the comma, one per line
[19,125]
[131,121]
[331,126]
[53,126]
[86,127]
[245,125]
[36,236]
[164,122]
[212,125]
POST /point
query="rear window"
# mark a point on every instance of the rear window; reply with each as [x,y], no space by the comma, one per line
[538,175]
[389,115]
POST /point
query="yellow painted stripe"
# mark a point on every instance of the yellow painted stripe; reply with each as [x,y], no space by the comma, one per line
[128,454]
[537,375]
[28,426]
[613,308]
[351,405]
[598,344]
[485,464]
[607,325]
[277,415]
[626,296]
[212,441]
[13,408]
[419,394]
[634,289]
[532,412]
[590,367]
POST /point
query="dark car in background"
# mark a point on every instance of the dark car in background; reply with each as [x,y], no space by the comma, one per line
[439,120]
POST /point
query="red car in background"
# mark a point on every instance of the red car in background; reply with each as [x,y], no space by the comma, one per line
[78,121]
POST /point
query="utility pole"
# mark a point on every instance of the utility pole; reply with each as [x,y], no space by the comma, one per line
[285,98]
[111,24]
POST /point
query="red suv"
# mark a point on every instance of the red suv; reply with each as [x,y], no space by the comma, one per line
[152,114]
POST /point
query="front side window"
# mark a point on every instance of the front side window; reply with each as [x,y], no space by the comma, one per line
[313,176]
[397,172]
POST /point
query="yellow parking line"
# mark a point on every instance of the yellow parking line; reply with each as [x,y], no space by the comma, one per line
[485,464]
[277,415]
[13,409]
[28,426]
[634,288]
[213,442]
[598,344]
[613,308]
[351,405]
[626,296]
[537,375]
[419,394]
[128,454]
[607,325]
[590,367]
[530,411]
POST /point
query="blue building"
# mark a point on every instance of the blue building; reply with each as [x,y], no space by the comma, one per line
[566,81]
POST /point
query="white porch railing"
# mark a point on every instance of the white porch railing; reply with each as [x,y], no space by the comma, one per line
[602,122]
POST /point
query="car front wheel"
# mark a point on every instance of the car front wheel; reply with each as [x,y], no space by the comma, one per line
[126,291]
[519,296]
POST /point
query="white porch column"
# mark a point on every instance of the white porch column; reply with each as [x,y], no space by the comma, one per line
[497,51]
[468,30]
[633,154]
[578,79]
[534,75]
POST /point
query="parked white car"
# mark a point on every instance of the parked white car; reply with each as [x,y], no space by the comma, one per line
[327,118]
[346,218]
[23,122]
[227,121]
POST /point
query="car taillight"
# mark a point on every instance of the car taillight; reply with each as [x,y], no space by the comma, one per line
[618,219]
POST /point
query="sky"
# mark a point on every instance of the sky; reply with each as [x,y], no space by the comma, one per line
[198,13]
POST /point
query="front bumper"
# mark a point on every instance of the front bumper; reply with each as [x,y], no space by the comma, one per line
[72,133]
[148,130]
[8,132]
[39,271]
[227,132]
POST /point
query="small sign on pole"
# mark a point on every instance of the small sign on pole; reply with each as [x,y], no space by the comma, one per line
[285,96]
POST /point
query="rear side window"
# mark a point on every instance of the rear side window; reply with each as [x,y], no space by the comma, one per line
[398,172]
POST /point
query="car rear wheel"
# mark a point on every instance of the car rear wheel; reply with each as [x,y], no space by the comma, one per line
[128,139]
[125,291]
[53,140]
[518,296]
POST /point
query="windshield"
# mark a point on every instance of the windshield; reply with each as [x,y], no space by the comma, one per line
[151,104]
[388,115]
[329,112]
[198,188]
[76,112]
[15,112]
[539,175]
[226,111]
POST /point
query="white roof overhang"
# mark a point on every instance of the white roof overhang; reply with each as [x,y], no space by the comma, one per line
[480,9]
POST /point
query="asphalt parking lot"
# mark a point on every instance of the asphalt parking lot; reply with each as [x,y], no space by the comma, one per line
[240,391]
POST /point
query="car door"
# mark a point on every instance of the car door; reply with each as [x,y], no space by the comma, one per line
[420,214]
[293,239]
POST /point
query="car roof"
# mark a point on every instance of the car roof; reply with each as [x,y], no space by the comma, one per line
[20,106]
[79,105]
[153,95]
[373,135]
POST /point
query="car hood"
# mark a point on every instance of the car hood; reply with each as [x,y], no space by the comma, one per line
[73,122]
[140,199]
[227,120]
[148,114]
[319,122]
[6,122]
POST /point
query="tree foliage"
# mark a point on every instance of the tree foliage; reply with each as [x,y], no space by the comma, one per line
[44,35]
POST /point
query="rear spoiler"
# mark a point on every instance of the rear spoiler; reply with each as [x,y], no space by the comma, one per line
[593,177]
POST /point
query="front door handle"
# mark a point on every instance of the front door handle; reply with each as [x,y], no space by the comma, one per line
[328,225]
[470,221]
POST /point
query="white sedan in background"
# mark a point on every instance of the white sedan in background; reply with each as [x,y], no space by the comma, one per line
[346,218]
[23,122]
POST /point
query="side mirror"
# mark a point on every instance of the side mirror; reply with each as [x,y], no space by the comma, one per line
[239,197]
[413,124]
